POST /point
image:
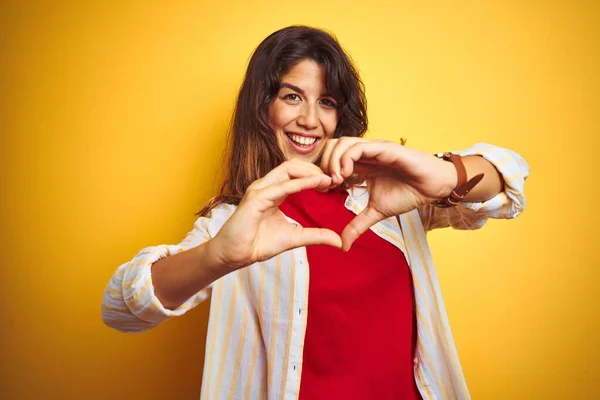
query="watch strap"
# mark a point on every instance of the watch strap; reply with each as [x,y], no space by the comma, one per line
[463,187]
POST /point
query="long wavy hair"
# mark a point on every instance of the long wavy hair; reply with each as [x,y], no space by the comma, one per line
[252,145]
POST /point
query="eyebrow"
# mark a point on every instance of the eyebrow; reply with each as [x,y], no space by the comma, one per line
[297,89]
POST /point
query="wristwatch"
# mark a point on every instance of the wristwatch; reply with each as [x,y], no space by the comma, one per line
[463,187]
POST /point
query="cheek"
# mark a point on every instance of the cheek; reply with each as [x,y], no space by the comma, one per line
[331,124]
[279,115]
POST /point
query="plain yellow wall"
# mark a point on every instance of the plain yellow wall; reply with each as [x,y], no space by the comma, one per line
[112,121]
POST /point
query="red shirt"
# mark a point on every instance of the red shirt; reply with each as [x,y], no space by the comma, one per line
[360,333]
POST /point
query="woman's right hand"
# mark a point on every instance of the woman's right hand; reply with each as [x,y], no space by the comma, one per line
[257,230]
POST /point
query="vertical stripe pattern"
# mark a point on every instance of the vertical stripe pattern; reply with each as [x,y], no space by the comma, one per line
[258,314]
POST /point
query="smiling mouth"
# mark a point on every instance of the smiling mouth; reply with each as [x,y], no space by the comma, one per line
[302,144]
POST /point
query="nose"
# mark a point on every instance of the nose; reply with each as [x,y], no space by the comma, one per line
[308,117]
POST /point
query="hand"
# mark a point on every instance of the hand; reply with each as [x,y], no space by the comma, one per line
[399,179]
[257,230]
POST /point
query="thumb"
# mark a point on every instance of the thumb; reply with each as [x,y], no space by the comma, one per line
[314,236]
[359,225]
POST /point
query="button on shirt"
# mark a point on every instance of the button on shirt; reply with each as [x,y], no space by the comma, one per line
[258,315]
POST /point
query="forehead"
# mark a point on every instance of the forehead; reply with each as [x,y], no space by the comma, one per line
[306,74]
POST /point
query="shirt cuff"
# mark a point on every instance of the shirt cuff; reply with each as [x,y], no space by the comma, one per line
[138,289]
[509,203]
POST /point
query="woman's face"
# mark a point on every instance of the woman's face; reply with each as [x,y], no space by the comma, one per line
[303,115]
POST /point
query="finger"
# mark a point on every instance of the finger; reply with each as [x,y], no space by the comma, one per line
[313,237]
[359,225]
[276,193]
[334,160]
[374,153]
[288,170]
[329,146]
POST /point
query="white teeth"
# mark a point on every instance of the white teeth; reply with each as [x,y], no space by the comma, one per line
[303,140]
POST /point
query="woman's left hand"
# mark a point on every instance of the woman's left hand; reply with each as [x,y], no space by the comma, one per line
[399,179]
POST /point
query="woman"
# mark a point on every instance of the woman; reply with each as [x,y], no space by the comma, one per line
[303,188]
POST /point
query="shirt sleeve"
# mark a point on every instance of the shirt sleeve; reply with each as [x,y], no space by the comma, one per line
[129,303]
[509,203]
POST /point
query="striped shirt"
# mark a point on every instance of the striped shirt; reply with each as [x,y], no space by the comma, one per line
[258,314]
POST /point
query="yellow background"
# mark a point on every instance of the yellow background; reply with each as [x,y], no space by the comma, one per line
[112,120]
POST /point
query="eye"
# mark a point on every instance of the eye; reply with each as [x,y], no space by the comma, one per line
[292,97]
[328,103]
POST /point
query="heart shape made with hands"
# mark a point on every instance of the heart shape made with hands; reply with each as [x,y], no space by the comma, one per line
[398,179]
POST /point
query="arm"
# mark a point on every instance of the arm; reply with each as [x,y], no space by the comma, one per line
[400,179]
[133,299]
[166,281]
[499,195]
[179,277]
[489,186]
